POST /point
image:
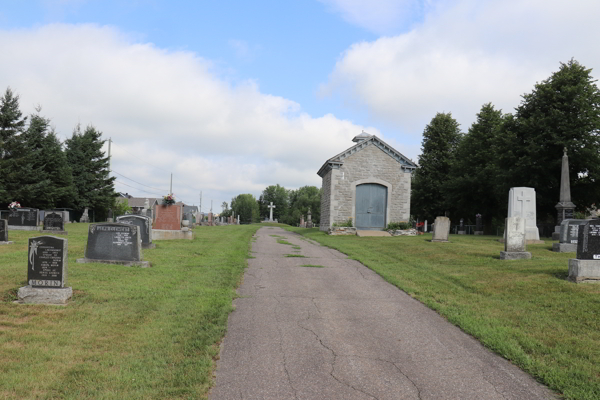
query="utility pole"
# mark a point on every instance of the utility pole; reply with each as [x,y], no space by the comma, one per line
[201,201]
[171,185]
[109,142]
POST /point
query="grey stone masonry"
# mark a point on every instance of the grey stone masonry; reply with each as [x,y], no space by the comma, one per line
[370,161]
[515,244]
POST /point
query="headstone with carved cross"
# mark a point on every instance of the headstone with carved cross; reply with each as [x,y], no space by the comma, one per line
[271,207]
[521,203]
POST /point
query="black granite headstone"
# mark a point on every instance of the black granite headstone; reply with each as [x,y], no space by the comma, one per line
[117,242]
[478,223]
[3,230]
[47,263]
[145,227]
[569,230]
[588,244]
[23,217]
[53,221]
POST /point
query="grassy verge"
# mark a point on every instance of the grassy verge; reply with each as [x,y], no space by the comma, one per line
[128,333]
[524,310]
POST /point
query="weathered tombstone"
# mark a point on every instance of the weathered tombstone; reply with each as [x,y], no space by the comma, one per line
[478,225]
[46,272]
[569,236]
[302,221]
[425,227]
[309,223]
[586,267]
[168,217]
[114,243]
[564,207]
[4,232]
[110,215]
[461,227]
[145,226]
[271,207]
[210,219]
[441,229]
[54,223]
[515,241]
[24,219]
[238,219]
[521,203]
[85,217]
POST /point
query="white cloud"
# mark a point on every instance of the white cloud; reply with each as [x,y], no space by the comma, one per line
[464,54]
[168,112]
[379,16]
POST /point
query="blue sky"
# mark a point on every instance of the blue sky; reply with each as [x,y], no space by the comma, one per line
[233,96]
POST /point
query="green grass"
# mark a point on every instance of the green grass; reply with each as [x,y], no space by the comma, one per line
[283,241]
[312,266]
[128,333]
[524,310]
[295,255]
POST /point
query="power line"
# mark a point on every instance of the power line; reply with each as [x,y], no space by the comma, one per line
[141,190]
[139,183]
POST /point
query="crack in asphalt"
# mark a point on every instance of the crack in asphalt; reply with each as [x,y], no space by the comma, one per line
[407,377]
[287,372]
[331,373]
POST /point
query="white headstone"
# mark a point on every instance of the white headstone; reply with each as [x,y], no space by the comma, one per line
[515,243]
[441,229]
[521,203]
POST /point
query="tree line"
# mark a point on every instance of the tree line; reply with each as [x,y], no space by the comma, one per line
[290,205]
[39,171]
[464,174]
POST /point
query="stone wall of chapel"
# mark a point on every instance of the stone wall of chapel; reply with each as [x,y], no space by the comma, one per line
[325,202]
[368,163]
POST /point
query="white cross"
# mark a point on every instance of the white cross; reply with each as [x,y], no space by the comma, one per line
[271,207]
[522,198]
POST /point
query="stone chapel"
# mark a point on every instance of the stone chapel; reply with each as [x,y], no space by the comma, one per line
[369,183]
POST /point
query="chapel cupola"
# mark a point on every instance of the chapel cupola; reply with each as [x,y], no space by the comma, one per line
[359,138]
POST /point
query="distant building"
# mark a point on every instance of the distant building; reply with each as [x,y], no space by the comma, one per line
[368,183]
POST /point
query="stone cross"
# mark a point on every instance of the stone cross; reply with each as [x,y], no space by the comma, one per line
[271,207]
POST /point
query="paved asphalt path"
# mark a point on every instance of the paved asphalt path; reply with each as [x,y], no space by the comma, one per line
[342,332]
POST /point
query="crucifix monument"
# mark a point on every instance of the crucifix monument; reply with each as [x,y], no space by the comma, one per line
[521,203]
[271,207]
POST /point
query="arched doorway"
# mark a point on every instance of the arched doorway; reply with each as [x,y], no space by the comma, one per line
[371,204]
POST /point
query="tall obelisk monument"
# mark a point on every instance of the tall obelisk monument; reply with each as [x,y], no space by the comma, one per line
[565,207]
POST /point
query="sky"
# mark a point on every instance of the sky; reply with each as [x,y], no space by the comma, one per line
[232,96]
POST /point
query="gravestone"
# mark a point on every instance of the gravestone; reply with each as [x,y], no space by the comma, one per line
[309,223]
[210,219]
[54,223]
[568,236]
[271,207]
[145,226]
[301,221]
[114,243]
[478,224]
[46,272]
[24,219]
[425,227]
[441,229]
[84,217]
[515,241]
[586,267]
[461,227]
[4,232]
[565,208]
[522,203]
[110,215]
[238,219]
[168,217]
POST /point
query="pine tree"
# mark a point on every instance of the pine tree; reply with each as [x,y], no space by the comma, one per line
[12,125]
[440,140]
[93,185]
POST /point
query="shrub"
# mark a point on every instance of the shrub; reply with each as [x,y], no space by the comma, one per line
[393,226]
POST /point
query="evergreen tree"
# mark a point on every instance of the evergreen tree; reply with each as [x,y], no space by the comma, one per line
[246,206]
[440,140]
[562,111]
[93,185]
[475,174]
[12,125]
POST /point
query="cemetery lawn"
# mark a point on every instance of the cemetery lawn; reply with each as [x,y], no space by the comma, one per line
[128,332]
[524,310]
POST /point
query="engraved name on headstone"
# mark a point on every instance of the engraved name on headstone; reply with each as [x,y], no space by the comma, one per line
[47,262]
[114,242]
[143,223]
[23,218]
[53,221]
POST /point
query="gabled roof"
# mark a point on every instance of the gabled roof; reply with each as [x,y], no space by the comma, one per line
[141,201]
[363,140]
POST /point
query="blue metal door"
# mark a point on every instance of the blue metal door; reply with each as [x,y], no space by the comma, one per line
[371,203]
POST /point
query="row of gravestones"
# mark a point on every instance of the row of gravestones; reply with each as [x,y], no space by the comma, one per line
[580,236]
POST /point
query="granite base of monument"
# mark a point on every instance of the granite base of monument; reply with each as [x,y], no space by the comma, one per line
[581,271]
[35,295]
[440,241]
[564,247]
[141,264]
[160,234]
[53,232]
[23,228]
[555,235]
[515,255]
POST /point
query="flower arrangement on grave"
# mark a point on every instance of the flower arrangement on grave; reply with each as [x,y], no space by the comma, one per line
[14,205]
[477,215]
[168,199]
